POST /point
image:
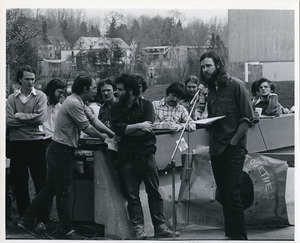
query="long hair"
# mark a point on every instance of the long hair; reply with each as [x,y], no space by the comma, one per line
[53,85]
[192,79]
[262,80]
[219,64]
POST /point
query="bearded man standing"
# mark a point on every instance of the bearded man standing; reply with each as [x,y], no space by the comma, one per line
[227,96]
[132,119]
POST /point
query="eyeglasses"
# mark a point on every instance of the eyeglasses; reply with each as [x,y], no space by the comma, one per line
[263,87]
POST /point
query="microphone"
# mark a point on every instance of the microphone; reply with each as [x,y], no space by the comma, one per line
[203,89]
[201,93]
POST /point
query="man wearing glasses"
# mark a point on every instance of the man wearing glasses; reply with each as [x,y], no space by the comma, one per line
[268,101]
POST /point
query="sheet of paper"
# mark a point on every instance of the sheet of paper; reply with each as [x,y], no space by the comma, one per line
[111,144]
[208,120]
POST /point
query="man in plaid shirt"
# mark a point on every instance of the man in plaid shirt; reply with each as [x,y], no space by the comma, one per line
[168,113]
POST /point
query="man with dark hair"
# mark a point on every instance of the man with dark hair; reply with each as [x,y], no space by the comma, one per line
[73,117]
[106,87]
[191,88]
[55,90]
[132,119]
[25,114]
[227,97]
[168,113]
[268,100]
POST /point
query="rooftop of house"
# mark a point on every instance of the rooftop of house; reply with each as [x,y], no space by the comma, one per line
[156,50]
[94,41]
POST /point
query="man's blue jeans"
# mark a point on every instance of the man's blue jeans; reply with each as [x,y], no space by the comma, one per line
[142,168]
[227,170]
[59,182]
[27,155]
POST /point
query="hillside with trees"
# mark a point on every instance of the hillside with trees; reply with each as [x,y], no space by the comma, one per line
[24,26]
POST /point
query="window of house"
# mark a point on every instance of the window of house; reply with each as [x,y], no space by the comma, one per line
[50,55]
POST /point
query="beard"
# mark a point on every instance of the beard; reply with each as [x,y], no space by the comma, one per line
[190,95]
[53,100]
[124,98]
[212,78]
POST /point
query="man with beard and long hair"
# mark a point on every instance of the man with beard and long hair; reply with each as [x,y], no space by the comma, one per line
[227,97]
[132,119]
[191,88]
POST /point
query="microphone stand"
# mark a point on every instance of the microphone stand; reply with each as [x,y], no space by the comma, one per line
[172,164]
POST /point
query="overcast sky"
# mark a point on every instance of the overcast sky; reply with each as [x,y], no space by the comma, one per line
[204,14]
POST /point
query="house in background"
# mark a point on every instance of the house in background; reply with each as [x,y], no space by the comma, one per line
[45,49]
[159,56]
[89,43]
[50,47]
[97,51]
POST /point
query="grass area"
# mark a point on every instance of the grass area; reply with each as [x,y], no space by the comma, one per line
[284,90]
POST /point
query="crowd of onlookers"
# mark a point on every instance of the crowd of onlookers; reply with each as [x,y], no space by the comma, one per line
[35,119]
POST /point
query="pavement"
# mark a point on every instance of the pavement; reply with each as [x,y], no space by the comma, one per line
[190,233]
[194,234]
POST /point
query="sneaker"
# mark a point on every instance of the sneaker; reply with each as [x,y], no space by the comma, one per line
[41,230]
[28,227]
[41,227]
[72,235]
[162,231]
[139,233]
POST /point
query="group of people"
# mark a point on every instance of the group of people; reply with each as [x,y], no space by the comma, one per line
[44,134]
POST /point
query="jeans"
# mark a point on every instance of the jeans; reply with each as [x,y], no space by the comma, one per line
[59,182]
[27,155]
[142,168]
[227,170]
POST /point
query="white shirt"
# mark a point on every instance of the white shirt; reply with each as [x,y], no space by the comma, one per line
[23,97]
[49,124]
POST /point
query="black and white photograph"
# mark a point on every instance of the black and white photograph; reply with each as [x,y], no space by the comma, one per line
[150,120]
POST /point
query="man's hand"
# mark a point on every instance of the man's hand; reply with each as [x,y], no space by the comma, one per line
[176,127]
[21,116]
[146,126]
[285,111]
[190,127]
[272,96]
[104,136]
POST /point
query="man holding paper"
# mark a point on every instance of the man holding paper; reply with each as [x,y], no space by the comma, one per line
[227,97]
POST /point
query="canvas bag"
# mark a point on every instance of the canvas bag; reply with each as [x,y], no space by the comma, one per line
[197,200]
